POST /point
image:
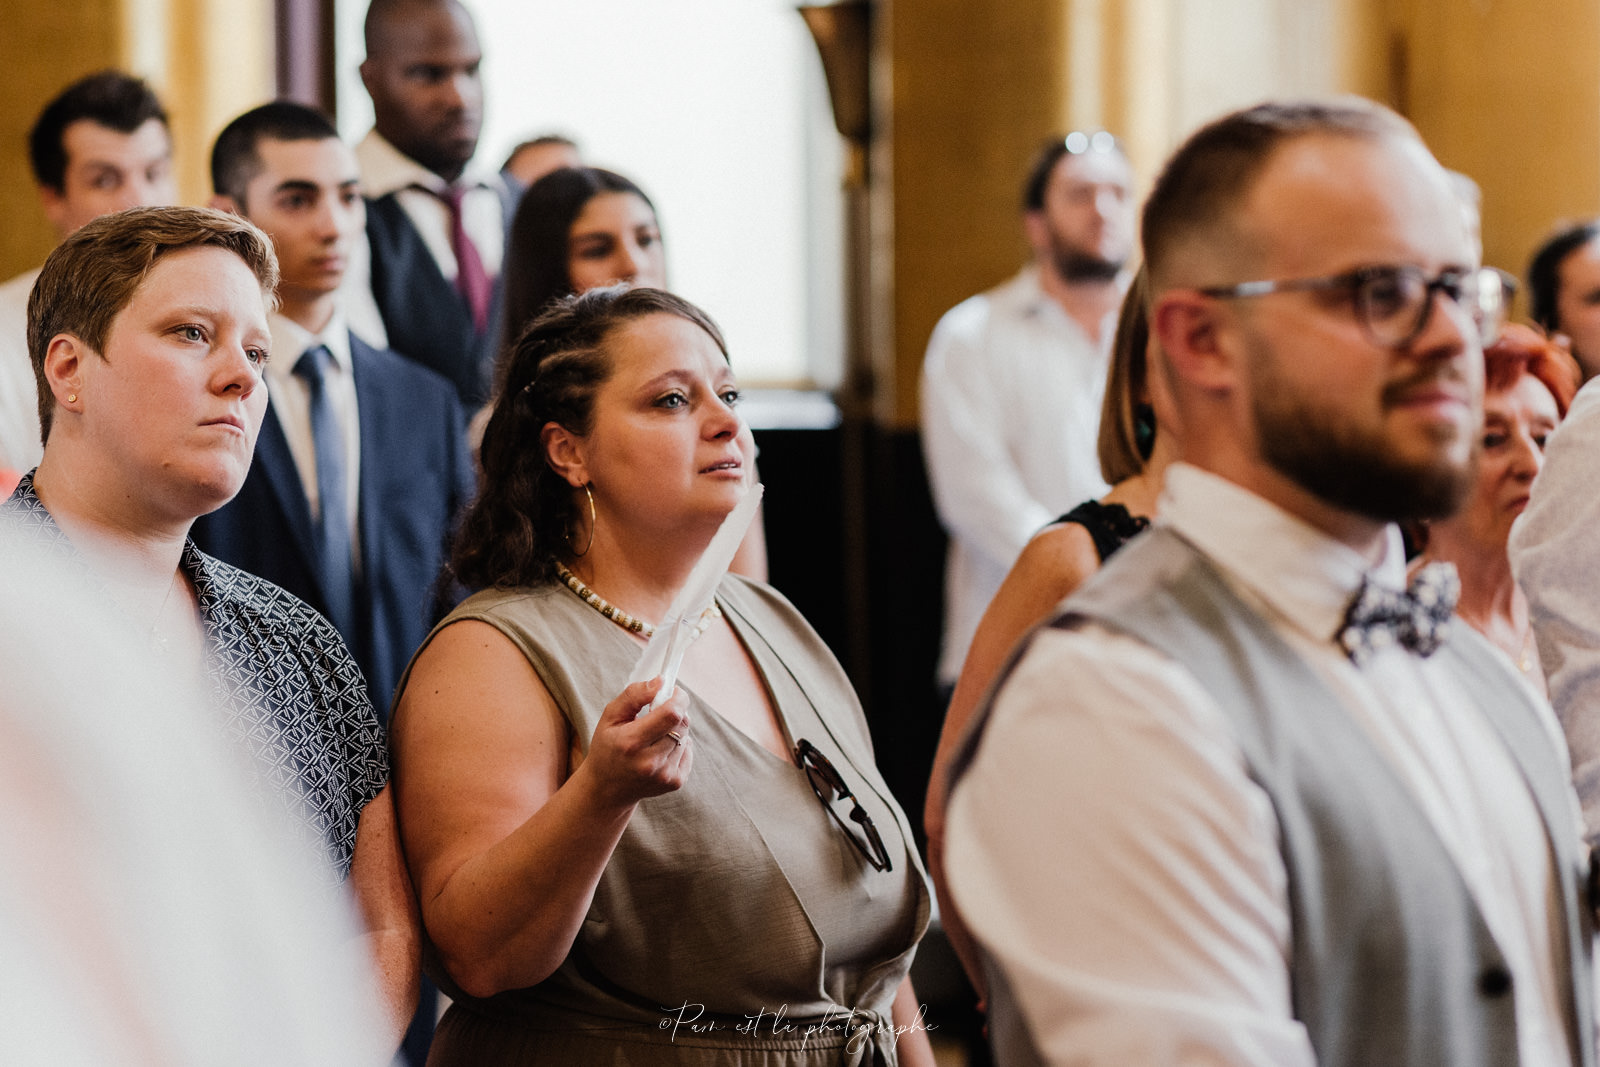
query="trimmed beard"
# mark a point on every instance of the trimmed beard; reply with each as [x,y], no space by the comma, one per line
[1351,469]
[1076,266]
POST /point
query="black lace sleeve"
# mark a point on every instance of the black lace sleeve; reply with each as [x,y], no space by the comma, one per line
[1109,525]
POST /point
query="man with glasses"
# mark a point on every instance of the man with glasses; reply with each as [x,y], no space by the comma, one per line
[1248,799]
[1013,379]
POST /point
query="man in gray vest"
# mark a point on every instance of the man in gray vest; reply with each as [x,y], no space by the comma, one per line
[1247,799]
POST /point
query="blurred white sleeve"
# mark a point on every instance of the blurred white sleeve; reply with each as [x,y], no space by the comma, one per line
[1120,868]
[1555,555]
[977,488]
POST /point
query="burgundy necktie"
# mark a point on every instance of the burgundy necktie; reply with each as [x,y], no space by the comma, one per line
[472,281]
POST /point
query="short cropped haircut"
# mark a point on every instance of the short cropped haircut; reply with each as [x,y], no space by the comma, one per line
[110,98]
[236,157]
[382,14]
[1544,271]
[542,141]
[1214,171]
[1052,152]
[92,275]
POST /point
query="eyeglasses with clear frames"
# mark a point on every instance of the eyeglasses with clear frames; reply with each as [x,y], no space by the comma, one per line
[1393,303]
[830,788]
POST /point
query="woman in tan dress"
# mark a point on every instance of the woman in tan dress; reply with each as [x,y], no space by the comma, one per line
[687,886]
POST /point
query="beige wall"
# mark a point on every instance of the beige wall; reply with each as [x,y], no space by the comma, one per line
[47,43]
[1508,93]
[207,59]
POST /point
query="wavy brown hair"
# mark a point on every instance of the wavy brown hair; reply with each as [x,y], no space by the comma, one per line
[1119,448]
[517,527]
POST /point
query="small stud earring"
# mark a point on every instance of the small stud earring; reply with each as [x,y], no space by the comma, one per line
[72,398]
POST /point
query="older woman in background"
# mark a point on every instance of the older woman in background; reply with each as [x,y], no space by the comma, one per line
[724,880]
[1530,382]
[1134,455]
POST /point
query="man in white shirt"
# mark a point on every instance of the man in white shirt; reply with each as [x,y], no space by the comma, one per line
[436,228]
[1554,557]
[101,146]
[1238,803]
[1013,379]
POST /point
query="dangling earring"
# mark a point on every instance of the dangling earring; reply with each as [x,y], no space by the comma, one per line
[576,554]
[1144,429]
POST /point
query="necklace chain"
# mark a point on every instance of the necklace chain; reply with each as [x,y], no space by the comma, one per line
[622,618]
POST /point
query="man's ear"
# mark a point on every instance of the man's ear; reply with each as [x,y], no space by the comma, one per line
[1195,339]
[1037,230]
[56,208]
[65,361]
[564,452]
[224,202]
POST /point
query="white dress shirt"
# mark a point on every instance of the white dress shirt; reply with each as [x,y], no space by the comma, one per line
[1011,392]
[1556,559]
[291,403]
[20,449]
[384,170]
[1109,848]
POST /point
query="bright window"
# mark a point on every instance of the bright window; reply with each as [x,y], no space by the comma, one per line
[718,110]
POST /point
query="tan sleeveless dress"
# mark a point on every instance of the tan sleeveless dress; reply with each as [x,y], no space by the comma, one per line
[735,922]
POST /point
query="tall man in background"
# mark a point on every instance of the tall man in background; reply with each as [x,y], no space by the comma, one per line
[101,146]
[1013,379]
[436,229]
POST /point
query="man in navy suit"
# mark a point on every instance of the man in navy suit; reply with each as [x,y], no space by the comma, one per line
[362,463]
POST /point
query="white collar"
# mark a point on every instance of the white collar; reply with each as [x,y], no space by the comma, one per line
[290,341]
[1295,569]
[385,169]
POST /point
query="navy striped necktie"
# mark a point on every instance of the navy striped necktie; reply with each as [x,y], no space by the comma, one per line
[331,524]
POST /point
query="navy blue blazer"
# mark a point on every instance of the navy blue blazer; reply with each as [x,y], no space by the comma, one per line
[425,316]
[416,476]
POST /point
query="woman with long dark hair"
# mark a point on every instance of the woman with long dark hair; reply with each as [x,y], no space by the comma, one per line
[723,880]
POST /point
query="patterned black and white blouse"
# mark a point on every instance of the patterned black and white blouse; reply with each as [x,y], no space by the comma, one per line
[284,683]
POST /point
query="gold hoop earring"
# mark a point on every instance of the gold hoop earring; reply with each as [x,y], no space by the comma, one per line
[579,555]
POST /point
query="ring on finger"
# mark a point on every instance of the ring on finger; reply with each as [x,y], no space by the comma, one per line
[677,738]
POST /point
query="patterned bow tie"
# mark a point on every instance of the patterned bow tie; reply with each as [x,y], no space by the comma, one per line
[1417,619]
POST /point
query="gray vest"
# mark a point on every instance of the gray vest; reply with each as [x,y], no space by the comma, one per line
[1390,960]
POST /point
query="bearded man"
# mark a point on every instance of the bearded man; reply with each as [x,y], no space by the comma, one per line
[1248,799]
[1013,379]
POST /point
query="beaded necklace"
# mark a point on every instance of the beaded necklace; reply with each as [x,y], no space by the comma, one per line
[622,618]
